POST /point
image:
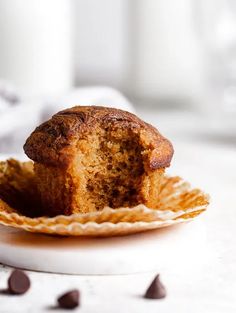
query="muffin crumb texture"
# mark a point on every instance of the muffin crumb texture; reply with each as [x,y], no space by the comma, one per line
[87,158]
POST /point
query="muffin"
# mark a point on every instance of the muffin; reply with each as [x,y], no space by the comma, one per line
[89,157]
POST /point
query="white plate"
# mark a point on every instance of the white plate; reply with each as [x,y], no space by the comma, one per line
[103,256]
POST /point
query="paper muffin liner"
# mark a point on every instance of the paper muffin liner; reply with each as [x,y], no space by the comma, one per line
[177,203]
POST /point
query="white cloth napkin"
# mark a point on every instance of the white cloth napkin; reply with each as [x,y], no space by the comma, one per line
[19,114]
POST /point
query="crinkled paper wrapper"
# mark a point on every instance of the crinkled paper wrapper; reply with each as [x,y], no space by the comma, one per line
[19,200]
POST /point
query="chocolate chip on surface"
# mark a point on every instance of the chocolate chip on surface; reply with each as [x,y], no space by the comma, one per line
[18,282]
[69,300]
[156,290]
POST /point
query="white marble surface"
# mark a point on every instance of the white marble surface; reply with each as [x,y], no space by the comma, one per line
[207,285]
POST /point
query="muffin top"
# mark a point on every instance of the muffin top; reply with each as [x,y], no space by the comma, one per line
[54,142]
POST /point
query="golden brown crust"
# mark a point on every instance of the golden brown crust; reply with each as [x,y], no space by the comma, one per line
[52,143]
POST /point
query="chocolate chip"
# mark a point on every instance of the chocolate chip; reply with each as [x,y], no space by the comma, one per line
[109,167]
[69,300]
[18,283]
[156,290]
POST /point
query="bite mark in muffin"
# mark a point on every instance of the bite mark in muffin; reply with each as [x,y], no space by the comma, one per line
[89,157]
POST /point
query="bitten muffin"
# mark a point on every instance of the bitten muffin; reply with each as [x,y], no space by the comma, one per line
[90,157]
